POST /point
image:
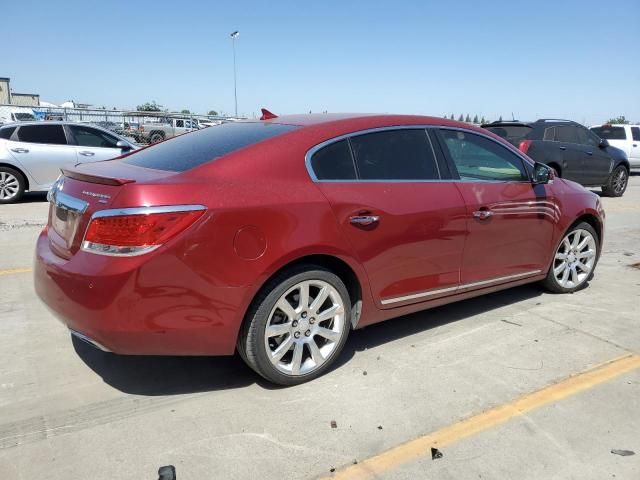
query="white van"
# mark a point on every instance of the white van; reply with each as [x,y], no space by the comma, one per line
[622,136]
[16,114]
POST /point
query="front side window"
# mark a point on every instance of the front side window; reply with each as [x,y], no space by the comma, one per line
[481,159]
[49,134]
[587,137]
[180,123]
[334,162]
[90,137]
[635,132]
[394,155]
[610,133]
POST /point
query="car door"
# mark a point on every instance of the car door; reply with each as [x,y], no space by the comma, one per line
[597,162]
[405,224]
[42,150]
[634,155]
[509,220]
[93,144]
[179,128]
[572,153]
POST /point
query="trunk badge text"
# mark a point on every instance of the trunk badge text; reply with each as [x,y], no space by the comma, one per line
[101,196]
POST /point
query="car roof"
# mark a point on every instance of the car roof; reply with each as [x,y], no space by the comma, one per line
[362,120]
[64,122]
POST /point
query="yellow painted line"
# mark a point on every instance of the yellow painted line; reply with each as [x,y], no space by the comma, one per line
[14,270]
[421,447]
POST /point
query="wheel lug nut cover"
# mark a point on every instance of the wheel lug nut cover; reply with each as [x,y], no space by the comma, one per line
[307,333]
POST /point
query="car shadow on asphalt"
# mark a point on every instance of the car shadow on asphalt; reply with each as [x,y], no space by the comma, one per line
[34,197]
[164,375]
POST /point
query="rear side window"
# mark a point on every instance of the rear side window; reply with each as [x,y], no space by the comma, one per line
[567,134]
[394,155]
[194,149]
[6,132]
[334,162]
[549,134]
[635,132]
[49,134]
[481,159]
[610,133]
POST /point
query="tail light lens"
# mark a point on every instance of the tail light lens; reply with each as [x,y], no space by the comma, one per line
[134,231]
[524,146]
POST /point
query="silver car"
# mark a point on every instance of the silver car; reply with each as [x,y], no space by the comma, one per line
[31,153]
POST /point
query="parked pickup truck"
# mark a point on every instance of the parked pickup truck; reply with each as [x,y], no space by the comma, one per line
[163,128]
[622,136]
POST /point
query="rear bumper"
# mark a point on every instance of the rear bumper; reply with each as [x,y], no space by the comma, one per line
[154,304]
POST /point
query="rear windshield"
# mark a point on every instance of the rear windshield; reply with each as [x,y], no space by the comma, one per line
[512,133]
[191,150]
[610,133]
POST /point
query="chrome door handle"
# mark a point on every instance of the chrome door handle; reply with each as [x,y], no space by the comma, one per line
[20,150]
[86,153]
[364,220]
[562,148]
[589,153]
[482,214]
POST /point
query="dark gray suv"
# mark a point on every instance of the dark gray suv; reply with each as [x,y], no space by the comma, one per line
[573,151]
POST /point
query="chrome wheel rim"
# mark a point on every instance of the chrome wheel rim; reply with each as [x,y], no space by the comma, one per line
[9,186]
[620,180]
[575,258]
[305,327]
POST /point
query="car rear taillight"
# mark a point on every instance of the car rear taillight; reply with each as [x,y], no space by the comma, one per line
[134,231]
[524,146]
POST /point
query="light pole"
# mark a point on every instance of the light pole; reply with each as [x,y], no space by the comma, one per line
[233,36]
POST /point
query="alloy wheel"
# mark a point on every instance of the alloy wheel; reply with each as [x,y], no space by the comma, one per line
[620,181]
[575,258]
[305,327]
[9,186]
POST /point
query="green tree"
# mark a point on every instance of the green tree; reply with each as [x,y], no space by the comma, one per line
[212,112]
[482,120]
[149,107]
[467,118]
[185,112]
[461,118]
[500,119]
[475,119]
[452,117]
[619,119]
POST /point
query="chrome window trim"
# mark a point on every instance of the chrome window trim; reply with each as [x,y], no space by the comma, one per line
[114,212]
[509,147]
[428,293]
[61,200]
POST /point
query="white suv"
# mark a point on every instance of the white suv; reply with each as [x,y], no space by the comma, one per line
[622,136]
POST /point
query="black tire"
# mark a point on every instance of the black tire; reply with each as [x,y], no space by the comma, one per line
[251,341]
[156,137]
[551,283]
[617,182]
[13,186]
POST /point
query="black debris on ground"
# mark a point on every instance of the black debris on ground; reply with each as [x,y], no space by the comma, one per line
[435,453]
[334,424]
[167,472]
[623,453]
[379,427]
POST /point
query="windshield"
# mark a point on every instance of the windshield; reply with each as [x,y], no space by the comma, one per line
[189,151]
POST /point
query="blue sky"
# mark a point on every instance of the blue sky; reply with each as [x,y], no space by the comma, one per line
[569,59]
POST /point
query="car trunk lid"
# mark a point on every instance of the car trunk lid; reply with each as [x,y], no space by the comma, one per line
[84,190]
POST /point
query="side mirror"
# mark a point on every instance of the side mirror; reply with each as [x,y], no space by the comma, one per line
[604,143]
[542,174]
[124,146]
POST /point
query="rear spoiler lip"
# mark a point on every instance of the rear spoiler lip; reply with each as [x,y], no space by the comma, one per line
[84,177]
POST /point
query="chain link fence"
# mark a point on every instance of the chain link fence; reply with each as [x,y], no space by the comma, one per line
[142,127]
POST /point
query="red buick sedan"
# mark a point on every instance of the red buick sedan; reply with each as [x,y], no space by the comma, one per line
[277,237]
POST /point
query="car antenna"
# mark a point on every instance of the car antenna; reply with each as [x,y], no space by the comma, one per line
[267,115]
